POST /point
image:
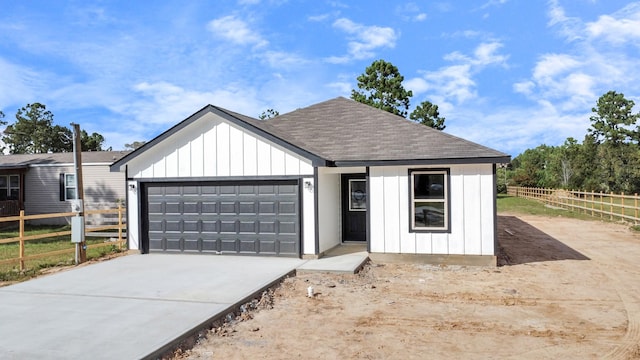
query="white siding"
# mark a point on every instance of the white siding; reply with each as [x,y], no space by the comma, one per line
[132,216]
[213,147]
[471,212]
[308,217]
[329,216]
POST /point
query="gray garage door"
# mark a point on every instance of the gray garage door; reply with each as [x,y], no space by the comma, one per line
[241,218]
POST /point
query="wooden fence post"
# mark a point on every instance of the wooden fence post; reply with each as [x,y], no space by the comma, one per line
[119,226]
[601,210]
[611,206]
[623,209]
[21,235]
[635,207]
[592,203]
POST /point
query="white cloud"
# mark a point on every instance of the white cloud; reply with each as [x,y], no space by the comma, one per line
[318,18]
[620,28]
[280,59]
[410,12]
[235,30]
[363,40]
[18,83]
[491,3]
[416,85]
[456,81]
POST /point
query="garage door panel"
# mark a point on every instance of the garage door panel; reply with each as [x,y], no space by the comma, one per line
[229,190]
[191,245]
[189,226]
[248,227]
[285,227]
[287,247]
[172,207]
[267,227]
[287,208]
[209,207]
[227,207]
[229,245]
[191,207]
[210,245]
[267,207]
[259,219]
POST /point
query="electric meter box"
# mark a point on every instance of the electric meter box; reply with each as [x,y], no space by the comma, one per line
[77,229]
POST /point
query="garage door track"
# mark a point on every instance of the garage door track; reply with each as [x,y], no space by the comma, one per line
[130,307]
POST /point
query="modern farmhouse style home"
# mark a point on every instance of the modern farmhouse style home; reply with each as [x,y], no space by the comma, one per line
[304,182]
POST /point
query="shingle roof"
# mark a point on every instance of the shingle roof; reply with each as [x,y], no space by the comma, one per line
[343,130]
[24,160]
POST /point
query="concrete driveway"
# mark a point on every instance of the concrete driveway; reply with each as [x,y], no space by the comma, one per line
[127,308]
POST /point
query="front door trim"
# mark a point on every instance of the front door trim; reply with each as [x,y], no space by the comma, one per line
[354,207]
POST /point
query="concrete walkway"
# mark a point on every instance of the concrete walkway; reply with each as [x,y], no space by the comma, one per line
[128,308]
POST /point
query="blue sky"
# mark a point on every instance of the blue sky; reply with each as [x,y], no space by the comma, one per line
[508,74]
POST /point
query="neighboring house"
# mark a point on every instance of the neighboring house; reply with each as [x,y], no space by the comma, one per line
[44,183]
[304,182]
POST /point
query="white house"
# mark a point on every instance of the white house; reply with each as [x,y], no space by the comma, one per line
[304,182]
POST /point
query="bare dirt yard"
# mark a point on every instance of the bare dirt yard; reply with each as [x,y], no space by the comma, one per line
[565,289]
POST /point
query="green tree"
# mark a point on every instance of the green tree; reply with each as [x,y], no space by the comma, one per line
[614,127]
[268,114]
[613,120]
[427,114]
[91,142]
[381,86]
[134,145]
[32,133]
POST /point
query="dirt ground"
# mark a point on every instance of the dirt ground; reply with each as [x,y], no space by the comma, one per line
[564,289]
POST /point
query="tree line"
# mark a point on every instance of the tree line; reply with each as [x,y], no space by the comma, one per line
[33,132]
[607,159]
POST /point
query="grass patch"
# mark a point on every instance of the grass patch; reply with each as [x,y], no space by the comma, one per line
[33,267]
[512,204]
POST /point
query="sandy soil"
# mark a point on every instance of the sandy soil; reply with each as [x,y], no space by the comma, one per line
[565,289]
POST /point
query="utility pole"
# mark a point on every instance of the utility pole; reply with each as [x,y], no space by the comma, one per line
[77,161]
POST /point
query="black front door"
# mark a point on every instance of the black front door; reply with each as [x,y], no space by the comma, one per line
[354,207]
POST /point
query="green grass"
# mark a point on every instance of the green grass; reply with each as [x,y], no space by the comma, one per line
[512,204]
[12,272]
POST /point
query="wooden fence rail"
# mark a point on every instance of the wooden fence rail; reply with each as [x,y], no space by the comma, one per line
[604,205]
[22,238]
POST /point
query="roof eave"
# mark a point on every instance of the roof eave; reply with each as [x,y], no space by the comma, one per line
[445,161]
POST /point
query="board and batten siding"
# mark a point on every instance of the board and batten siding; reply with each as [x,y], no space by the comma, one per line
[471,211]
[102,189]
[214,147]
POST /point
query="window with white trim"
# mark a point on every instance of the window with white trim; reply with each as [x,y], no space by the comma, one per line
[70,192]
[429,200]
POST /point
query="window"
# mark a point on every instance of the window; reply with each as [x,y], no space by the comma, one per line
[70,187]
[357,195]
[9,187]
[429,200]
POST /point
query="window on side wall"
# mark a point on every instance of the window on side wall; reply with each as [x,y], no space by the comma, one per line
[70,192]
[429,203]
[9,187]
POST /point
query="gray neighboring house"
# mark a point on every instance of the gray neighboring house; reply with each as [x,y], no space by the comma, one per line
[44,183]
[304,182]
